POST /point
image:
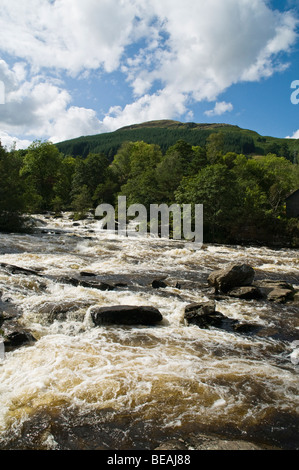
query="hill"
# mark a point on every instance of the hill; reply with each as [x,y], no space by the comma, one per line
[166,133]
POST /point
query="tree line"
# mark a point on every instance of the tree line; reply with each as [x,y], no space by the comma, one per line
[243,197]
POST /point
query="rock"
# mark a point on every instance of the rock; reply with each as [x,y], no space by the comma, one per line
[246,328]
[159,284]
[204,315]
[173,444]
[87,274]
[18,338]
[276,291]
[208,442]
[125,315]
[246,292]
[48,312]
[280,295]
[18,270]
[230,277]
[88,284]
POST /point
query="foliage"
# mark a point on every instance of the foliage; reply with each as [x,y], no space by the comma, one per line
[166,133]
[243,195]
[11,192]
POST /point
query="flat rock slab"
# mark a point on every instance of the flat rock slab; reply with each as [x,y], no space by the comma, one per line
[125,315]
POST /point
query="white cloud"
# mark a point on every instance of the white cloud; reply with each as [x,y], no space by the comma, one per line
[67,34]
[220,108]
[13,142]
[172,54]
[39,107]
[294,136]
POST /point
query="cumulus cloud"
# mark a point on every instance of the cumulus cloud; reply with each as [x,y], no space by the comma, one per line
[171,53]
[220,108]
[294,136]
[40,107]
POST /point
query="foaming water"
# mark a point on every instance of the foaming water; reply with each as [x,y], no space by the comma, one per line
[171,378]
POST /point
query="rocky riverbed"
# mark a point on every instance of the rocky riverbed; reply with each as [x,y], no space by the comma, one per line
[114,343]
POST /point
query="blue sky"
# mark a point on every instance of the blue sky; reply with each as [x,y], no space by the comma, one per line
[72,68]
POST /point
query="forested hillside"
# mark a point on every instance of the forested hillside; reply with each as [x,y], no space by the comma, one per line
[166,133]
[244,195]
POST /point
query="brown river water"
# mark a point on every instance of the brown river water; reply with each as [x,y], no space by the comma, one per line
[123,387]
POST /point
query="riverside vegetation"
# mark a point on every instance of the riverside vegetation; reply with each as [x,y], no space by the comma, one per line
[243,193]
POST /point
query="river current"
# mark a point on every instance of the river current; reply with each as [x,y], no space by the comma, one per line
[129,387]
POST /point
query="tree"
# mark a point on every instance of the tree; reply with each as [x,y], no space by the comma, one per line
[141,185]
[64,184]
[215,147]
[89,174]
[216,188]
[11,191]
[40,171]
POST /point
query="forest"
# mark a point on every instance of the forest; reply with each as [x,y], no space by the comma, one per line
[243,195]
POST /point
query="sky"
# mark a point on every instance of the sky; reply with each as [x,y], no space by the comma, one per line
[70,67]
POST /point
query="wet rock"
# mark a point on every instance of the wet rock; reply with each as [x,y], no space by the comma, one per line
[18,270]
[246,292]
[159,284]
[49,312]
[90,284]
[246,328]
[235,275]
[18,338]
[206,442]
[280,295]
[87,274]
[276,291]
[125,315]
[204,315]
[173,444]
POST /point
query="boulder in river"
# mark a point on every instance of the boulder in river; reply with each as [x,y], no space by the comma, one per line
[236,275]
[125,315]
[18,338]
[246,292]
[204,315]
[276,291]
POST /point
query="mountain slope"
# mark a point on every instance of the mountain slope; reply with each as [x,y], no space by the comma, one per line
[167,132]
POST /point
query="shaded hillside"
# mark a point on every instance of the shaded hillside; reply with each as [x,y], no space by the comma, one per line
[166,133]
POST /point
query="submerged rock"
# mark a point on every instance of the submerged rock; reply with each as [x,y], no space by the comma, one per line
[206,442]
[204,315]
[125,315]
[18,338]
[246,292]
[18,270]
[276,291]
[235,275]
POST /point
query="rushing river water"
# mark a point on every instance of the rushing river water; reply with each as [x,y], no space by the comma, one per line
[124,387]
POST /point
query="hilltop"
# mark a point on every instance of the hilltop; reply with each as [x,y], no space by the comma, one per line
[166,133]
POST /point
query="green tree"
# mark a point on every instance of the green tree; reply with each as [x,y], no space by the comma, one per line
[40,171]
[89,174]
[215,147]
[11,191]
[64,184]
[141,185]
[216,188]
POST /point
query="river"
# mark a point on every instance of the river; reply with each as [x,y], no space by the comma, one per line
[129,387]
